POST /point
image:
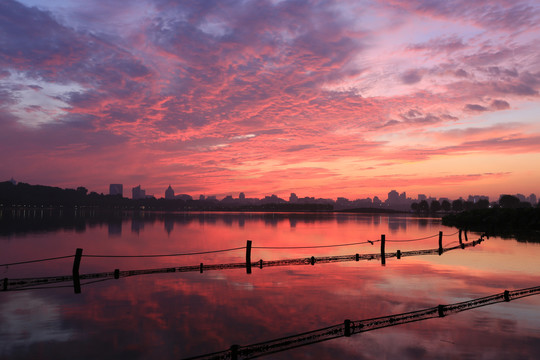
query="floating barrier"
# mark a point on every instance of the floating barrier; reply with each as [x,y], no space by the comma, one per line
[349,327]
[76,278]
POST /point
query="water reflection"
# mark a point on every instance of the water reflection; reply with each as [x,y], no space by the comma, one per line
[181,314]
[38,220]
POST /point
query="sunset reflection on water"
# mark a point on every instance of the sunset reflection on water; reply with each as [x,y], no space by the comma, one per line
[177,315]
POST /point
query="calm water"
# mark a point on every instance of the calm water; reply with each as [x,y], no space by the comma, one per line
[178,315]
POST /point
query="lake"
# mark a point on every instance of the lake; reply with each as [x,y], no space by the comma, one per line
[182,314]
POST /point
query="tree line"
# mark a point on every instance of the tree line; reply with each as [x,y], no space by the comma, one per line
[505,201]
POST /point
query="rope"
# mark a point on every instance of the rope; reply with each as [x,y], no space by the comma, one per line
[223,250]
[38,260]
[37,283]
[418,239]
[313,247]
[163,255]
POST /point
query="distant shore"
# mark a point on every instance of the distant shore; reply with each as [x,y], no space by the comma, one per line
[518,222]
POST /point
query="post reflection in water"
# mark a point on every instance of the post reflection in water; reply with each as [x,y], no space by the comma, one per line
[179,315]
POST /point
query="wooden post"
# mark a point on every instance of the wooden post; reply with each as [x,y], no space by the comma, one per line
[76,265]
[201,268]
[440,243]
[313,260]
[461,240]
[248,257]
[234,352]
[383,255]
[116,273]
[5,284]
[260,264]
[357,257]
[440,310]
[506,295]
[398,254]
[466,238]
[347,327]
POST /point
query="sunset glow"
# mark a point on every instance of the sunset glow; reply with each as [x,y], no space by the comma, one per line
[320,98]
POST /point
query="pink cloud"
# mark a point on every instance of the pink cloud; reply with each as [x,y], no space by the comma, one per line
[198,93]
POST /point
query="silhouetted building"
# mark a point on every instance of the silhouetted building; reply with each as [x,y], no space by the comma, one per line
[242,196]
[228,199]
[422,197]
[169,193]
[138,193]
[293,198]
[116,189]
[393,197]
[532,199]
[12,180]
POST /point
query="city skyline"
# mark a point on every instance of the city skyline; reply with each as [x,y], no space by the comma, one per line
[393,197]
[333,98]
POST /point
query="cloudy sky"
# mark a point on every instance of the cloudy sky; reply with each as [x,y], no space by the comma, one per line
[322,98]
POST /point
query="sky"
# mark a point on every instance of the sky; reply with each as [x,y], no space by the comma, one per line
[321,98]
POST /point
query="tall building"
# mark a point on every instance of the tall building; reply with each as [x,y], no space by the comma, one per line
[138,193]
[393,197]
[169,193]
[116,189]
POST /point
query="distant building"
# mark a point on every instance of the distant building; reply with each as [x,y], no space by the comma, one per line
[169,193]
[242,196]
[116,189]
[532,199]
[476,198]
[138,193]
[13,181]
[422,197]
[293,198]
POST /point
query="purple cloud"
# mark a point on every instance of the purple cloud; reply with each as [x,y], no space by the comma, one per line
[475,107]
[412,76]
[446,45]
[499,105]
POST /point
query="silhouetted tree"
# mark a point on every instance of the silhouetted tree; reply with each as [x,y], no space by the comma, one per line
[509,202]
[457,205]
[468,205]
[423,206]
[482,204]
[446,206]
[414,206]
[435,206]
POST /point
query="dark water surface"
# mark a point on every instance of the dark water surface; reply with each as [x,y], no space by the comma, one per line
[177,315]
